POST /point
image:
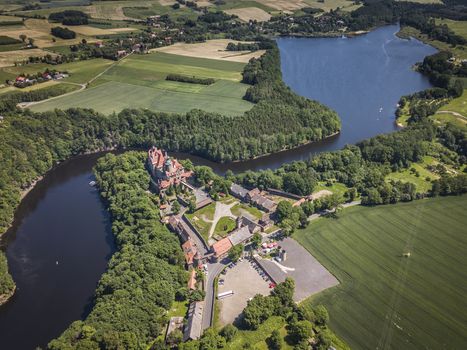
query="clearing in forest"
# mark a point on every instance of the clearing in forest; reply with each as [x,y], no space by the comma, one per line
[386,300]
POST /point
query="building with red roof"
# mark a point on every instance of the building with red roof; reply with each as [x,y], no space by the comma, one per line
[166,171]
[221,248]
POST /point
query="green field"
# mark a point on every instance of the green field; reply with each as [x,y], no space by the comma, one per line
[139,82]
[458,27]
[202,219]
[224,226]
[458,117]
[386,301]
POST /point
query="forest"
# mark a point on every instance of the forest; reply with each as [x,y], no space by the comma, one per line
[63,33]
[69,17]
[143,275]
[364,166]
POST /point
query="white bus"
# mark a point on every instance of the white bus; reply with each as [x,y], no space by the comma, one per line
[225,294]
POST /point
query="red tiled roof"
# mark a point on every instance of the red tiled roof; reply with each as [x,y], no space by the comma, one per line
[189,250]
[156,156]
[221,247]
[192,280]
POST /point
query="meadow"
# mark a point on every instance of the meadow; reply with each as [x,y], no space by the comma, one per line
[455,112]
[385,300]
[139,82]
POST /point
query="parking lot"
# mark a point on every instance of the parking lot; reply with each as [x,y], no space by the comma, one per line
[310,276]
[245,280]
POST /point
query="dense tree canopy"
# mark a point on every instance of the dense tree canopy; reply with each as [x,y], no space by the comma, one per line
[142,276]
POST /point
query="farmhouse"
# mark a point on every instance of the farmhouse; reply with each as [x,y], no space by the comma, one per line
[165,171]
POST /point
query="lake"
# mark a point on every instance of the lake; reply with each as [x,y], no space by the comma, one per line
[60,242]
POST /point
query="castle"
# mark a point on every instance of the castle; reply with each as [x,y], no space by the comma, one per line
[165,171]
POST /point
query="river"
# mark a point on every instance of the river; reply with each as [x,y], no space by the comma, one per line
[60,242]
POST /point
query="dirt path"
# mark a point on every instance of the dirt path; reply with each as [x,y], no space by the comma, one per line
[453,113]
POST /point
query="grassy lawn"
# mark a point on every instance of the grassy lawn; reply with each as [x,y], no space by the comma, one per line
[257,338]
[139,82]
[179,308]
[224,226]
[387,301]
[408,175]
[239,208]
[457,105]
[336,187]
[202,219]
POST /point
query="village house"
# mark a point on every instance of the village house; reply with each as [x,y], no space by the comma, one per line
[165,171]
[263,203]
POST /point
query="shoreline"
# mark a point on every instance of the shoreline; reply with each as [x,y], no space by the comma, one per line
[4,298]
[24,192]
[284,149]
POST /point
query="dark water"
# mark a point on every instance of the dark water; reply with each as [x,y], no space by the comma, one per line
[62,218]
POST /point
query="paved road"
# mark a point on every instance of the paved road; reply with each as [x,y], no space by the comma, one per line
[213,271]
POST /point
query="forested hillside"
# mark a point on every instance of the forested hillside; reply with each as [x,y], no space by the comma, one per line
[143,275]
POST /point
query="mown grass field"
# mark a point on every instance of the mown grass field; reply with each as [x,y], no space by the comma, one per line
[423,181]
[387,301]
[455,112]
[139,82]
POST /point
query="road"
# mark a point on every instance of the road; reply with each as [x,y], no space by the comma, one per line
[213,271]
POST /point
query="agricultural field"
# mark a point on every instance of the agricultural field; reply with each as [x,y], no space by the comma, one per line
[328,5]
[139,82]
[212,49]
[80,71]
[388,300]
[250,13]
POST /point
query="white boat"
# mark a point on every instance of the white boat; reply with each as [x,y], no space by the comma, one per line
[92,183]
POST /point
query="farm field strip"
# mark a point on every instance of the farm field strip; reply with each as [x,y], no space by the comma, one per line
[385,300]
[115,96]
[139,82]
